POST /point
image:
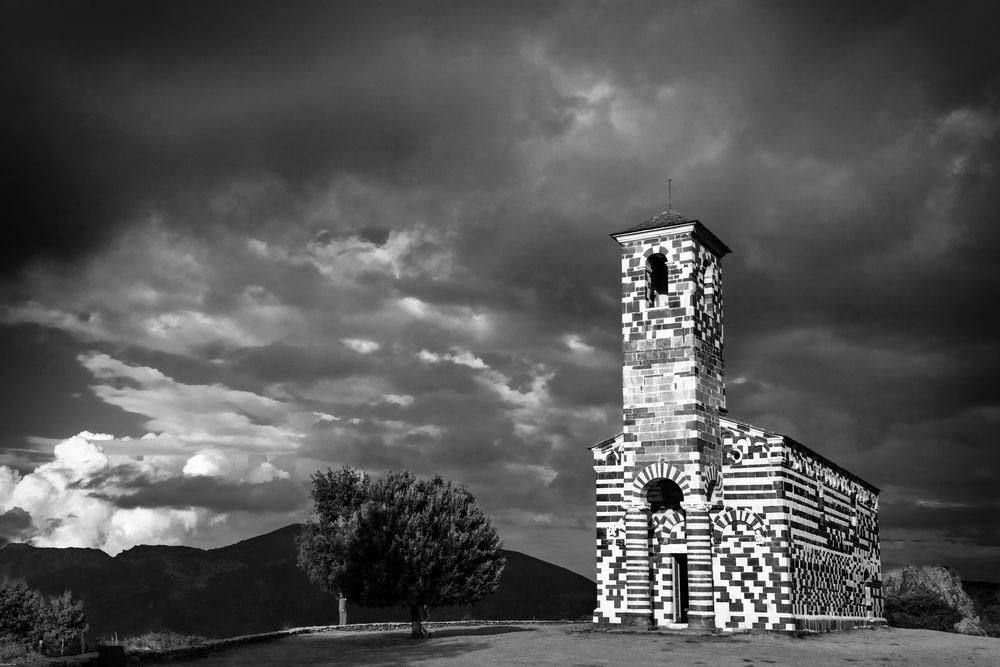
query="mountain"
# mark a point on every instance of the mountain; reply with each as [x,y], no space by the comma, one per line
[255,586]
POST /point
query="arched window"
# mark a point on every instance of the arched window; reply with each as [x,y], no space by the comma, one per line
[657,283]
[709,282]
[664,494]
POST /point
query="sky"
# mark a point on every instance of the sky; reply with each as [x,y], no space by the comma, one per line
[245,242]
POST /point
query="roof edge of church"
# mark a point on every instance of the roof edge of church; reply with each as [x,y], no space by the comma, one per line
[839,468]
[792,442]
[608,440]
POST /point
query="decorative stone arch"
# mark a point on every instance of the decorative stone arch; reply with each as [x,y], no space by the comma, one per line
[731,453]
[669,526]
[730,440]
[731,516]
[713,481]
[667,520]
[659,470]
[656,250]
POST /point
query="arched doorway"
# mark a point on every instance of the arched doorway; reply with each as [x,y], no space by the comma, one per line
[668,573]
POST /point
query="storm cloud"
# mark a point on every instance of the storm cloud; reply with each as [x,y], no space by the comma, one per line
[270,239]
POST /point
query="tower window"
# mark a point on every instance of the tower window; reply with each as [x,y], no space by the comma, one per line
[709,282]
[657,284]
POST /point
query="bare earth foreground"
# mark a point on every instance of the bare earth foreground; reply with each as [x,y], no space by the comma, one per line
[580,645]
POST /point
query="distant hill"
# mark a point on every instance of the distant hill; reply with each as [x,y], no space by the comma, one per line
[255,586]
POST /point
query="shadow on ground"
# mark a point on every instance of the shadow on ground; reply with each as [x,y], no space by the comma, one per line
[399,648]
[376,648]
[471,632]
[385,650]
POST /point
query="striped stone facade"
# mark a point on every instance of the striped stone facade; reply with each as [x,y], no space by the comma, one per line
[703,521]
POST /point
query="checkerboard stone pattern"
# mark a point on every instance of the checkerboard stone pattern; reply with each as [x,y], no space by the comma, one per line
[701,519]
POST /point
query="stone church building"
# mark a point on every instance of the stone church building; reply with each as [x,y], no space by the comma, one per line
[704,521]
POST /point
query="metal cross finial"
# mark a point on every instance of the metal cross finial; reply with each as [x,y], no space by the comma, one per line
[669,194]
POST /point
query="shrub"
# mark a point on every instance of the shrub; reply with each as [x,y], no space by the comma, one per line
[13,653]
[161,641]
[991,616]
[920,609]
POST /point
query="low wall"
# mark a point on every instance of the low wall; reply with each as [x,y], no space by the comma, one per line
[197,650]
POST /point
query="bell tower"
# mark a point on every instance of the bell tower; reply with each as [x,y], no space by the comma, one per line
[673,393]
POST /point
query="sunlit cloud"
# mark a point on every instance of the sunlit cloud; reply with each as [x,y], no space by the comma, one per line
[456,356]
[199,415]
[361,345]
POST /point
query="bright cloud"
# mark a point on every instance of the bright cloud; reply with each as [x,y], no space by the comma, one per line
[456,356]
[231,467]
[361,345]
[198,415]
[576,344]
[462,320]
[86,497]
[409,252]
[66,511]
[166,306]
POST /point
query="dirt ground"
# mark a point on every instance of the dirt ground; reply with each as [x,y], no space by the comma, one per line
[580,645]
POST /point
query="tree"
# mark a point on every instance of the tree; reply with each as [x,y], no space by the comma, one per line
[27,617]
[63,624]
[398,541]
[19,611]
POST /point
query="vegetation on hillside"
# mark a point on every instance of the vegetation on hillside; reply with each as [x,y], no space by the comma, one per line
[398,541]
[986,597]
[32,623]
[920,609]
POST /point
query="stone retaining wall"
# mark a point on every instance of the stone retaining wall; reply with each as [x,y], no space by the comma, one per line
[139,657]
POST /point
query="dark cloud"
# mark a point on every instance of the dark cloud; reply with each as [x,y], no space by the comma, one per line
[847,153]
[278,495]
[279,362]
[15,526]
[124,112]
[125,475]
[46,393]
[583,386]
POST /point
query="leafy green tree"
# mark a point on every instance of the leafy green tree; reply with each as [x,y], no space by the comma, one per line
[27,618]
[19,611]
[399,541]
[63,624]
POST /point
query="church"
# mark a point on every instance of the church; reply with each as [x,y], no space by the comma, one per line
[704,521]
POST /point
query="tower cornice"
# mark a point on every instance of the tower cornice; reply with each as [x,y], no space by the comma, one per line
[700,231]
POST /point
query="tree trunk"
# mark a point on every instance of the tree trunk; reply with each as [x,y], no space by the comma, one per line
[418,631]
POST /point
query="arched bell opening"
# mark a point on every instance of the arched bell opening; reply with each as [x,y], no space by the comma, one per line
[657,280]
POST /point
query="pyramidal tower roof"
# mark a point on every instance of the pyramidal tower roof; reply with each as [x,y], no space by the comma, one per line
[667,218]
[671,218]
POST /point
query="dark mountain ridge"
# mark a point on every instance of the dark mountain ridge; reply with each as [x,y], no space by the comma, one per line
[255,586]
